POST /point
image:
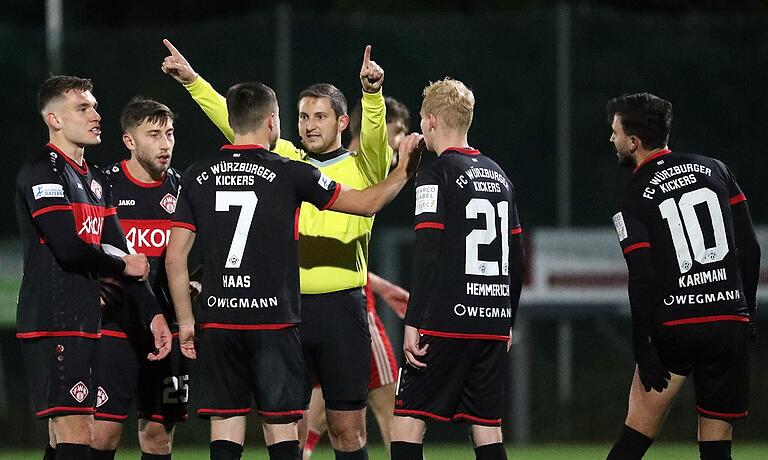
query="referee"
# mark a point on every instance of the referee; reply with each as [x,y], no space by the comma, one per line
[333,246]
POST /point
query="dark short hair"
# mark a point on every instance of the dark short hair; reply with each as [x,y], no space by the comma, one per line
[141,109]
[58,85]
[327,90]
[248,104]
[643,115]
[396,110]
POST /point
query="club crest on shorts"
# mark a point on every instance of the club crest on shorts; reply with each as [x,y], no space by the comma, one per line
[101,397]
[79,392]
[96,189]
[168,203]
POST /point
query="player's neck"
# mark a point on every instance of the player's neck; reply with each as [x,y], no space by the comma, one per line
[354,144]
[139,173]
[257,138]
[642,155]
[448,140]
[73,151]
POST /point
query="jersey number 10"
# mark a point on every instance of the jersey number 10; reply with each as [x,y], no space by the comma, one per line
[473,264]
[689,224]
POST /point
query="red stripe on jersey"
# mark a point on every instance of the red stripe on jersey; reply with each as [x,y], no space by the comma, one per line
[464,150]
[224,411]
[737,199]
[658,154]
[296,224]
[38,334]
[58,207]
[516,231]
[81,169]
[161,418]
[707,319]
[435,225]
[336,194]
[147,236]
[721,414]
[81,410]
[190,227]
[280,414]
[103,415]
[89,220]
[110,212]
[243,147]
[461,335]
[116,334]
[153,184]
[422,413]
[632,247]
[245,327]
[472,418]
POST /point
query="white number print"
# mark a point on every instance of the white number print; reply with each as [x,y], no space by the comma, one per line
[247,201]
[689,224]
[176,389]
[473,264]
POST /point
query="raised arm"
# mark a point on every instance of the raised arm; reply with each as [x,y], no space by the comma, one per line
[375,154]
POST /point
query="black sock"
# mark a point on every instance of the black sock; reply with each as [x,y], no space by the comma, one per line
[50,452]
[402,450]
[361,454]
[631,445]
[286,450]
[66,451]
[225,450]
[102,454]
[715,450]
[491,452]
[146,456]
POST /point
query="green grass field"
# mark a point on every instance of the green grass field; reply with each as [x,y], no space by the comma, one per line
[662,451]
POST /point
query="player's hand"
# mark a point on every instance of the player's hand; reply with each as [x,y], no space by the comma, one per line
[136,266]
[754,330]
[410,151]
[396,297]
[652,373]
[371,74]
[411,347]
[177,66]
[195,288]
[162,336]
[187,340]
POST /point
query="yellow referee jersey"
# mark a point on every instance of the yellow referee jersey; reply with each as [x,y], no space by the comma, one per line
[333,247]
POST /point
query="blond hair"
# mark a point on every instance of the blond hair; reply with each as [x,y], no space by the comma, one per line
[452,101]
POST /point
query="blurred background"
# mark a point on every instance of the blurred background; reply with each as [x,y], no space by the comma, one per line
[541,71]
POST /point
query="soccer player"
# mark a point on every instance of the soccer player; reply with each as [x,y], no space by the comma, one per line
[381,385]
[65,213]
[243,204]
[466,285]
[334,246]
[693,262]
[145,189]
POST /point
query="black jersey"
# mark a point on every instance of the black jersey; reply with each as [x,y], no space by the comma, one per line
[679,207]
[471,200]
[63,210]
[145,211]
[244,205]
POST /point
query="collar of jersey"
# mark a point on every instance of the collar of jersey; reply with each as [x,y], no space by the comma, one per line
[243,147]
[650,158]
[332,161]
[81,169]
[462,150]
[127,172]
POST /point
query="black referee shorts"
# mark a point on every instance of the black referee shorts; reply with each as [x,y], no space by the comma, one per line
[463,382]
[717,355]
[337,347]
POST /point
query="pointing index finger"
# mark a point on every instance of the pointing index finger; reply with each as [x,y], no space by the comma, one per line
[367,55]
[171,48]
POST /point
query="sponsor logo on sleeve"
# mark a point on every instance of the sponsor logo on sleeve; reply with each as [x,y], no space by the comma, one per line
[621,227]
[47,191]
[426,199]
[325,181]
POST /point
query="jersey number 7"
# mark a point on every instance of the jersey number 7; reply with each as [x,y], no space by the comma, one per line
[247,201]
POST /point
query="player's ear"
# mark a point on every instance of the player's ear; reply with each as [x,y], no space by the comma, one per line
[129,142]
[634,143]
[432,122]
[52,121]
[343,122]
[271,121]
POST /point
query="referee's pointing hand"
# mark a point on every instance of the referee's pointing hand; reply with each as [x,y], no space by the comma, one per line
[177,66]
[371,74]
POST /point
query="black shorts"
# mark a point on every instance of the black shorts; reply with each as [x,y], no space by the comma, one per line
[59,374]
[337,347]
[239,366]
[463,382]
[718,356]
[123,373]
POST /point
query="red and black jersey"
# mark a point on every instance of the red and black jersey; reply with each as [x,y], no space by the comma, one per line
[468,275]
[679,208]
[145,211]
[65,213]
[244,206]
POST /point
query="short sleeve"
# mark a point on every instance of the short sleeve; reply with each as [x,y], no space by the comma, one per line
[43,190]
[430,203]
[632,232]
[735,194]
[315,187]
